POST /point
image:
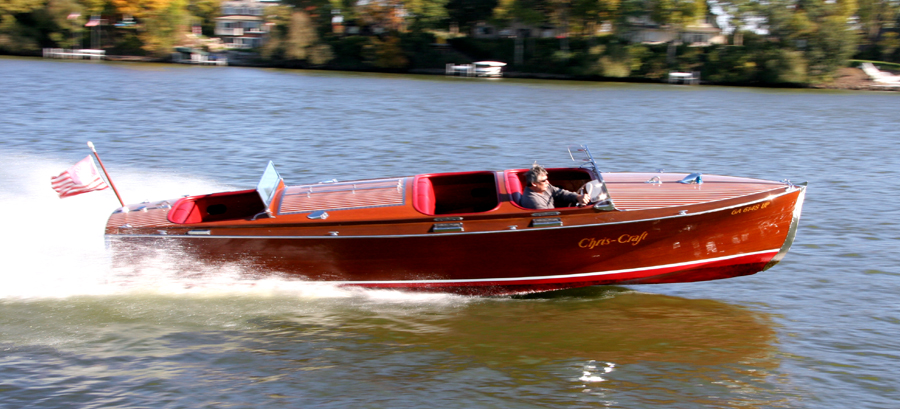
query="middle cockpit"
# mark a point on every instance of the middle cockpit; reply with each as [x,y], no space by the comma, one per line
[478,192]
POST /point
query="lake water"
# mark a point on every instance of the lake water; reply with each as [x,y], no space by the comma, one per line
[820,330]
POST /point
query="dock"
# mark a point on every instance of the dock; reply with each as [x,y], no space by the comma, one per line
[76,54]
[688,78]
[185,55]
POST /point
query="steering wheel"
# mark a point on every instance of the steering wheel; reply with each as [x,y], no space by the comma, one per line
[587,189]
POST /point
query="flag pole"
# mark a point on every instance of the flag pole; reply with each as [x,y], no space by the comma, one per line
[91,145]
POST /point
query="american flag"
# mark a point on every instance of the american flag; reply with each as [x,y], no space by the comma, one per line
[80,178]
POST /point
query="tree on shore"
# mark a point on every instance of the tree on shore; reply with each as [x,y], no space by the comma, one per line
[295,38]
[879,22]
[20,25]
[822,30]
[466,13]
[796,40]
[589,15]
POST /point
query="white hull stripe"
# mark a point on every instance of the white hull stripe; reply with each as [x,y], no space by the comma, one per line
[557,277]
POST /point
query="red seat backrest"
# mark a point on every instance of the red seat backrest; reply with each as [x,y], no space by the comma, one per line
[185,211]
[423,195]
[514,184]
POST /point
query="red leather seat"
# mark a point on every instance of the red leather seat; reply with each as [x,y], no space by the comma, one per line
[185,211]
[514,184]
[423,195]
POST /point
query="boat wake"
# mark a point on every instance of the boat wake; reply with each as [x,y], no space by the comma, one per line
[55,248]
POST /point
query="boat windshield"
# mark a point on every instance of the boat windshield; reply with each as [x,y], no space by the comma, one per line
[268,183]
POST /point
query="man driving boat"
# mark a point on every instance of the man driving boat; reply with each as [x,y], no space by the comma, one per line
[540,194]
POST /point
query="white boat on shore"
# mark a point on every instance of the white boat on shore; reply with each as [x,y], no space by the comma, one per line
[490,69]
[689,78]
[78,54]
[879,76]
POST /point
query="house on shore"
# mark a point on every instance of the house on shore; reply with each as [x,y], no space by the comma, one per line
[242,24]
[637,29]
[642,29]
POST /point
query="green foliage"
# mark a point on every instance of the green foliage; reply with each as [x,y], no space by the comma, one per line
[531,12]
[397,51]
[127,43]
[425,14]
[420,52]
[164,27]
[16,37]
[205,12]
[350,52]
[676,12]
[467,12]
[779,66]
[821,29]
[19,31]
[729,64]
[12,7]
[588,15]
[830,47]
[500,49]
[606,60]
[387,53]
[648,61]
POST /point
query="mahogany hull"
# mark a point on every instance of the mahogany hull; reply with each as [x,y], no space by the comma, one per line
[711,241]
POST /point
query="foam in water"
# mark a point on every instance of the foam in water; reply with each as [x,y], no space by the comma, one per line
[55,247]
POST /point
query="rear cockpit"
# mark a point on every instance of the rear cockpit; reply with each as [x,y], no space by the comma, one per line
[243,204]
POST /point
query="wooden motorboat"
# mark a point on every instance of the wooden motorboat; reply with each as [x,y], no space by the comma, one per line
[465,232]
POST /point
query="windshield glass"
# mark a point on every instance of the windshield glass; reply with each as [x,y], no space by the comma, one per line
[268,183]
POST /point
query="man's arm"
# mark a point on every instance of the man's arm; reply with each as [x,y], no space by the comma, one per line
[565,196]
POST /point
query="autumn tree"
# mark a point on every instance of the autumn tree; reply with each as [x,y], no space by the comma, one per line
[295,37]
[163,23]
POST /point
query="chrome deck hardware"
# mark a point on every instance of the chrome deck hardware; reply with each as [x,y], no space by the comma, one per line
[692,178]
[447,228]
[547,222]
[448,219]
[267,213]
[318,215]
[605,205]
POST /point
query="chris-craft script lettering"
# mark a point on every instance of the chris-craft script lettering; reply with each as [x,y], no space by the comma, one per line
[591,242]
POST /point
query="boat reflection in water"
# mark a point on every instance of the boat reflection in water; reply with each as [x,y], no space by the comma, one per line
[465,232]
[551,349]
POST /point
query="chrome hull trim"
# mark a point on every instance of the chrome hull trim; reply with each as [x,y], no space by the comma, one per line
[676,216]
[792,232]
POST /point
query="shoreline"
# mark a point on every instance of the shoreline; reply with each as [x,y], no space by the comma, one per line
[848,78]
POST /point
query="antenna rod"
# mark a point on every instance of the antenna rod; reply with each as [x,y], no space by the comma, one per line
[91,145]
